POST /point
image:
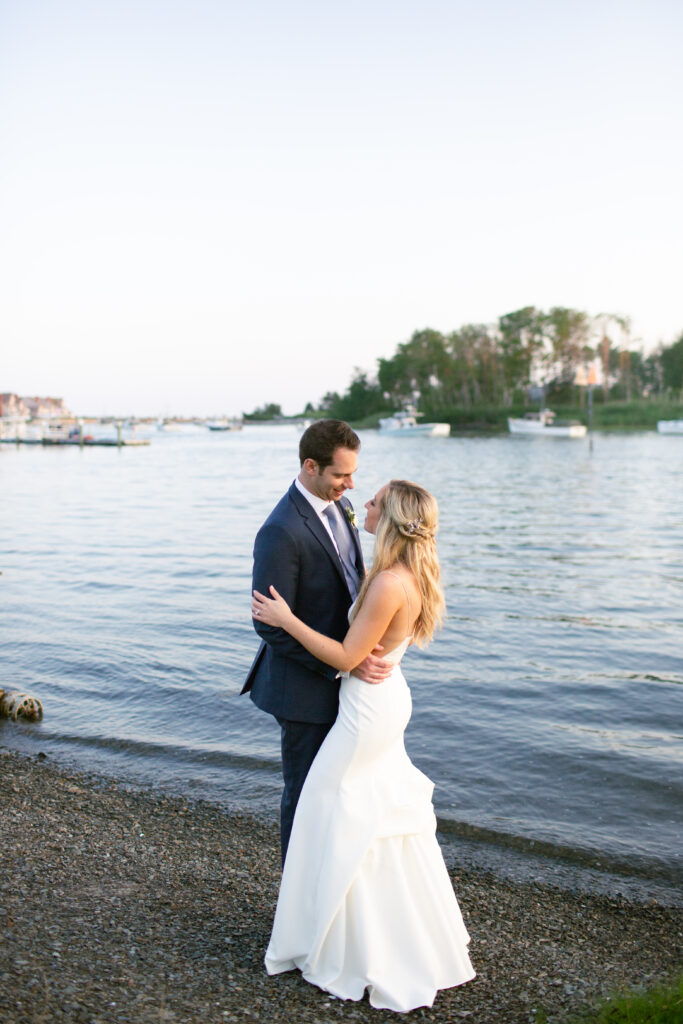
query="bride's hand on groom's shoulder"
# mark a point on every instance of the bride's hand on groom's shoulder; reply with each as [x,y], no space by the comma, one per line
[272,611]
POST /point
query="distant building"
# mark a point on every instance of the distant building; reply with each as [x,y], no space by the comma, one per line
[45,407]
[12,405]
[34,406]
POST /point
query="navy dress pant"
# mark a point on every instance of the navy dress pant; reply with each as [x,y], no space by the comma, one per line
[300,741]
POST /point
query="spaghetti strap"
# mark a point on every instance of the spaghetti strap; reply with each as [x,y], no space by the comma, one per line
[396,575]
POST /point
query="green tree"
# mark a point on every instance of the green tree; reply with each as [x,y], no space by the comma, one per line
[492,363]
[264,412]
[421,364]
[521,343]
[328,403]
[614,332]
[362,398]
[652,372]
[672,365]
[476,368]
[395,378]
[567,333]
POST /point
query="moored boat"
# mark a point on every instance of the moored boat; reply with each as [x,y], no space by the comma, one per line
[224,424]
[22,430]
[544,424]
[670,426]
[404,424]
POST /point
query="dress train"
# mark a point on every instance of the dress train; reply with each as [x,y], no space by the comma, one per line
[365,900]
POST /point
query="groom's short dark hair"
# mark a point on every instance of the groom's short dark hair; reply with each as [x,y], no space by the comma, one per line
[321,440]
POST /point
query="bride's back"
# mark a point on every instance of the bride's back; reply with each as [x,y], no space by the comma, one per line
[401,626]
[404,518]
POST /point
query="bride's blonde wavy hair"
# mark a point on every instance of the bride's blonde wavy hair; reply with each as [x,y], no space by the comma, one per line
[406,531]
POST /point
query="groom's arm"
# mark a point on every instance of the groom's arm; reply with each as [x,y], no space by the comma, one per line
[276,563]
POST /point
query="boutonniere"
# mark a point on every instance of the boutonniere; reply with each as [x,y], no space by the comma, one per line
[351,516]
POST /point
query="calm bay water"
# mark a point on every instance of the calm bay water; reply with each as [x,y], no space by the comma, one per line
[549,711]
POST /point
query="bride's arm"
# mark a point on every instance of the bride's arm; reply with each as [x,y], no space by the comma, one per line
[382,601]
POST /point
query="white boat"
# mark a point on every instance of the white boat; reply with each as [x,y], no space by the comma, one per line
[404,424]
[22,430]
[224,425]
[670,426]
[12,428]
[62,430]
[543,424]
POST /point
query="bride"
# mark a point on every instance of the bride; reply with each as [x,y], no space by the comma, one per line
[365,900]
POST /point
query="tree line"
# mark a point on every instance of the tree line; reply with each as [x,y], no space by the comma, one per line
[500,365]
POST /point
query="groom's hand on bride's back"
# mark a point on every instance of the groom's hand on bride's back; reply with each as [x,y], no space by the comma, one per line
[372,668]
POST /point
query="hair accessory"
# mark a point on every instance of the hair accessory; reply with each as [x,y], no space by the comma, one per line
[414,525]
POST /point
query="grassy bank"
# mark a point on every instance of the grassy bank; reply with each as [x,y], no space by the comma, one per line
[660,1005]
[641,415]
[615,415]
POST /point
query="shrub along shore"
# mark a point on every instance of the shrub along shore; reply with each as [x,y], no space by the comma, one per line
[122,906]
[637,415]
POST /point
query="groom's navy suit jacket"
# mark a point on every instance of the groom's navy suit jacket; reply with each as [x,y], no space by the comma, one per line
[294,552]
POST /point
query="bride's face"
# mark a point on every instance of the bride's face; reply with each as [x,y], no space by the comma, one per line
[372,508]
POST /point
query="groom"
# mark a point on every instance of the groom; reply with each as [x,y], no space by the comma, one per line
[309,550]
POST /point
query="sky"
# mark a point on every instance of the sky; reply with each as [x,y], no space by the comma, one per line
[207,206]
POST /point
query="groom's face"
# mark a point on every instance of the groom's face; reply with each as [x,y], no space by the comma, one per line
[331,482]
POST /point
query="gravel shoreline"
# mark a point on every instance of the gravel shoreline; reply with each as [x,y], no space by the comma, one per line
[119,906]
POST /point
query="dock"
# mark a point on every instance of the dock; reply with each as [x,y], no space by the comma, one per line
[87,442]
[97,442]
[60,433]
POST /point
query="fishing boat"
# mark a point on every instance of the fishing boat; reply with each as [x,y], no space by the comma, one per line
[404,424]
[224,425]
[12,428]
[36,431]
[60,432]
[670,426]
[544,424]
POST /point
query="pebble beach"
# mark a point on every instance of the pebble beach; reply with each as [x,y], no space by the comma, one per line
[122,906]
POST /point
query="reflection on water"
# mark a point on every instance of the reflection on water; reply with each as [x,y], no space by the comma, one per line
[548,711]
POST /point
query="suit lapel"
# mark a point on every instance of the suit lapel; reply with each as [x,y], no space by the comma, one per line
[312,522]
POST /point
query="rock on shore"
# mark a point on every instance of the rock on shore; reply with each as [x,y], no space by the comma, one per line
[118,906]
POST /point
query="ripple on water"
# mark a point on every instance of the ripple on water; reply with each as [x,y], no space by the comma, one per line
[548,711]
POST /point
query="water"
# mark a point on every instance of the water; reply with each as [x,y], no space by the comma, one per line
[548,711]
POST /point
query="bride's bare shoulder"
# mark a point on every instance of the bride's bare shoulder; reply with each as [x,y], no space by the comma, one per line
[400,573]
[385,582]
[396,580]
[385,588]
[405,581]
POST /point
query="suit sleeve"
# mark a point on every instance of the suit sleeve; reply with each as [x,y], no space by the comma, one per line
[276,563]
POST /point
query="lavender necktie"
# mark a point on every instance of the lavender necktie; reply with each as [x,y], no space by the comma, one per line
[340,532]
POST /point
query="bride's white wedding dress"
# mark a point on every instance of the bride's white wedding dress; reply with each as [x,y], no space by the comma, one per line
[365,900]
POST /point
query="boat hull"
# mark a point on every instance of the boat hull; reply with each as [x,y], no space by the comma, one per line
[220,426]
[670,426]
[532,428]
[416,430]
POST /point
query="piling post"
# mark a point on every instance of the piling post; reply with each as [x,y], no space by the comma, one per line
[592,378]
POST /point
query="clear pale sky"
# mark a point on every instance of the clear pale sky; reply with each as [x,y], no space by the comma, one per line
[205,205]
